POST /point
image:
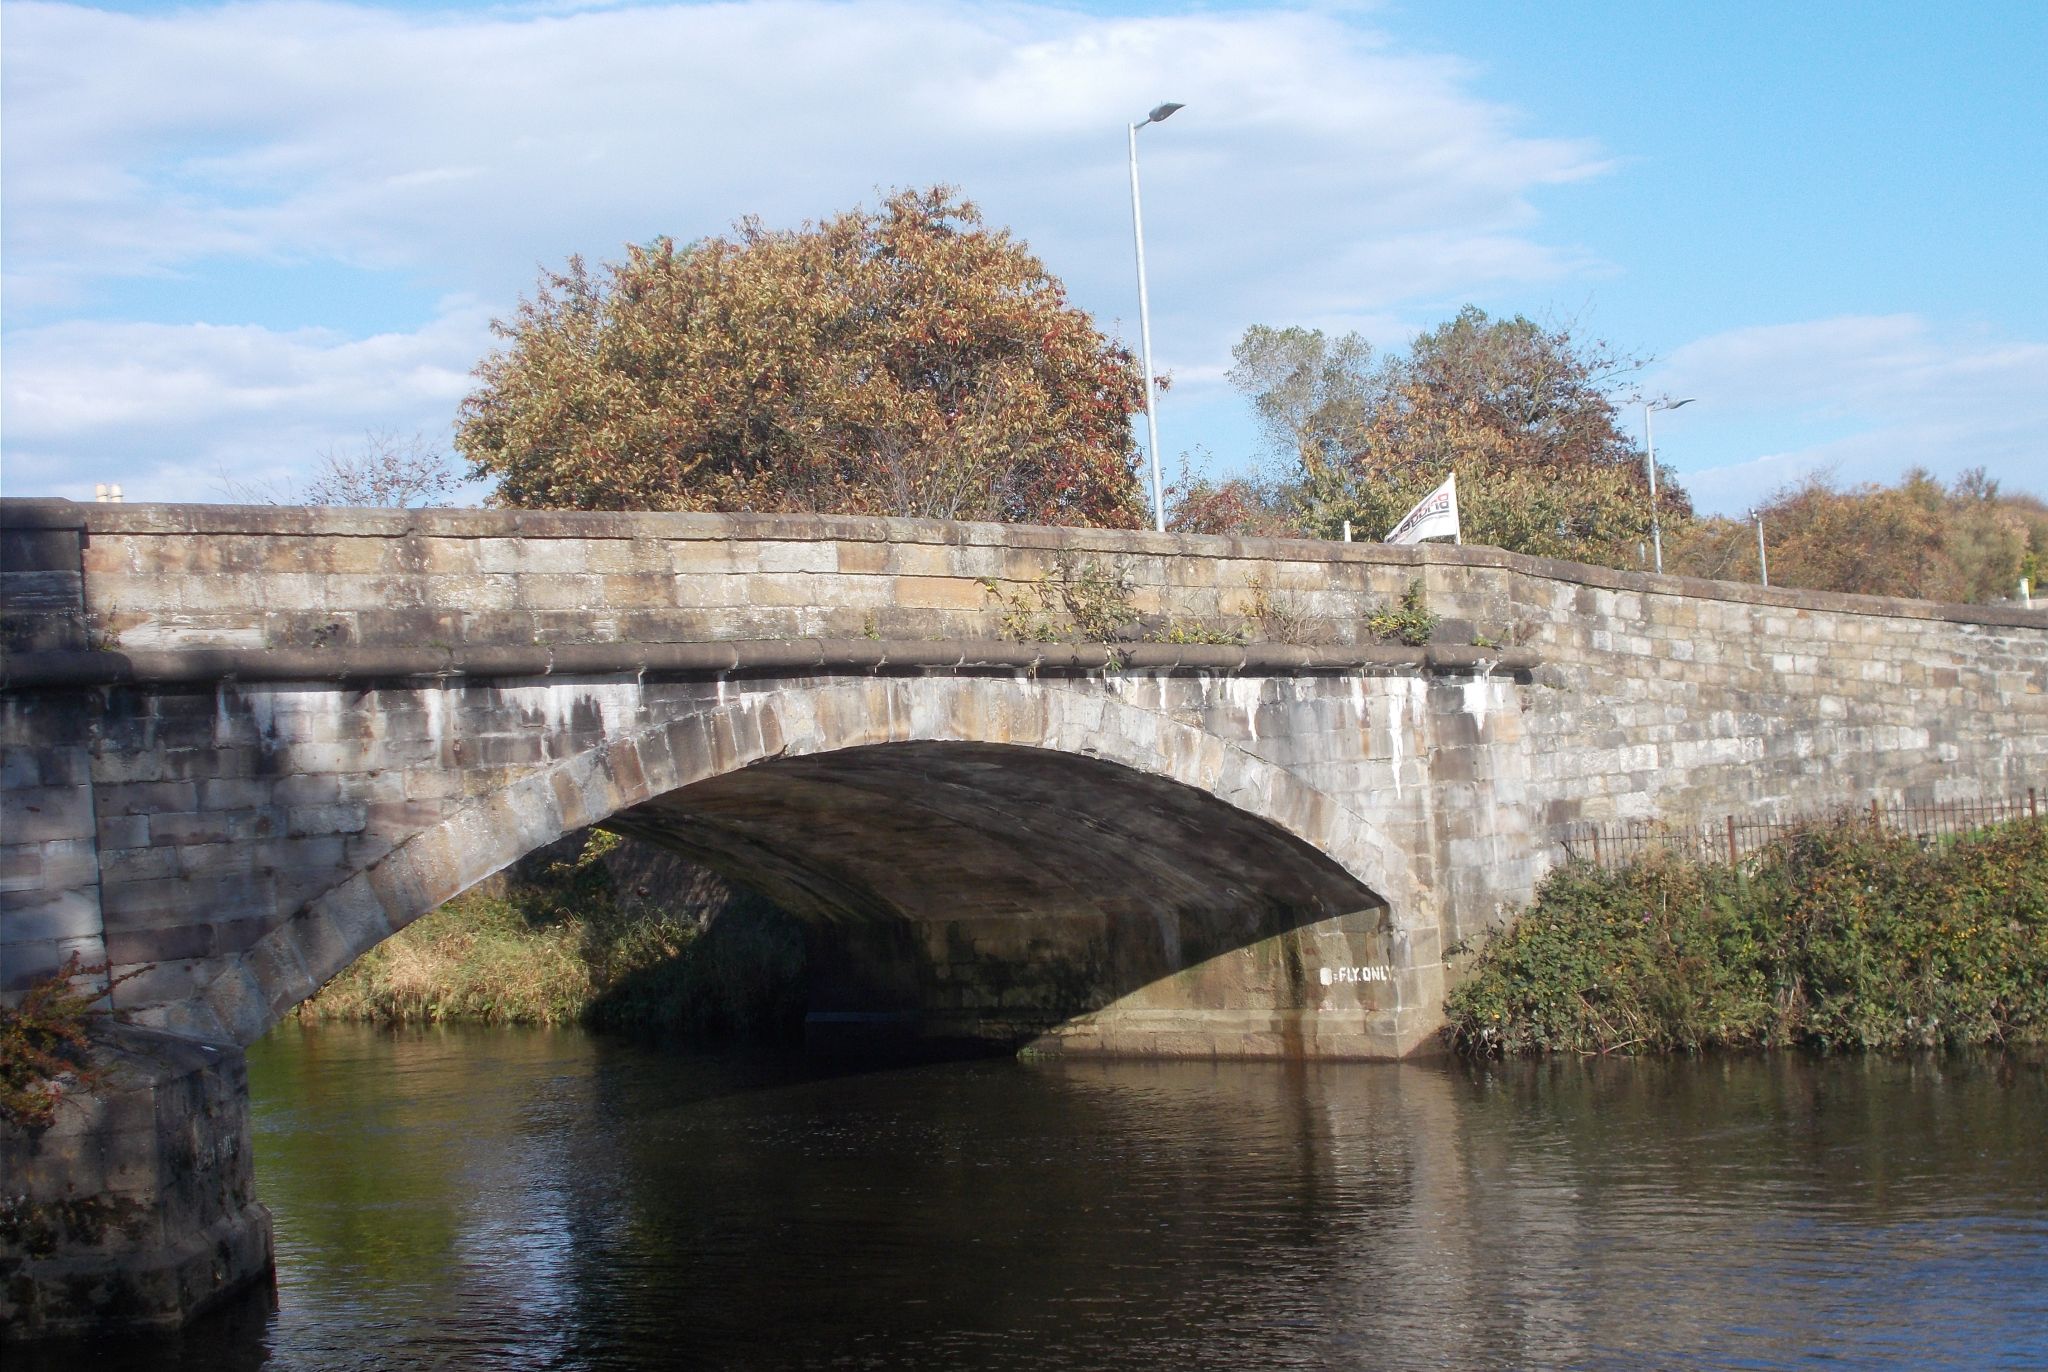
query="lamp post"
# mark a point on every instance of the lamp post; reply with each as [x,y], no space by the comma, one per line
[1650,407]
[1159,113]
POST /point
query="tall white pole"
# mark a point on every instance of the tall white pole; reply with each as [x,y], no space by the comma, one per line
[1145,339]
[1650,456]
[1763,562]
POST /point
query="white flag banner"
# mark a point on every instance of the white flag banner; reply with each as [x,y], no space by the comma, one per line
[1435,515]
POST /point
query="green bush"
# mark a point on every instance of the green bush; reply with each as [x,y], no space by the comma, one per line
[557,945]
[1840,936]
[1411,623]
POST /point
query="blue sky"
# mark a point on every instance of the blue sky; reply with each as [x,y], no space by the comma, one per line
[237,237]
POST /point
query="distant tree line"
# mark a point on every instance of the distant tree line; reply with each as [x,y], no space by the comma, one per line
[1530,419]
[1967,541]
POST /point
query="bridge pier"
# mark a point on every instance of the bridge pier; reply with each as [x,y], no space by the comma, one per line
[137,1208]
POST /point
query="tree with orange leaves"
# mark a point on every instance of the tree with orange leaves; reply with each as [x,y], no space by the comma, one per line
[908,361]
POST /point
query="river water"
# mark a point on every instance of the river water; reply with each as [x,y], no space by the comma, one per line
[459,1198]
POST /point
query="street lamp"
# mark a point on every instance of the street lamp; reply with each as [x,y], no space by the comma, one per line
[1650,407]
[1158,114]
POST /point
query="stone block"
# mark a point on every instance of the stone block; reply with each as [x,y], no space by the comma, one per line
[346,817]
[41,915]
[181,942]
[401,887]
[182,900]
[282,981]
[119,865]
[557,592]
[712,557]
[820,558]
[21,867]
[708,590]
[40,814]
[67,863]
[863,559]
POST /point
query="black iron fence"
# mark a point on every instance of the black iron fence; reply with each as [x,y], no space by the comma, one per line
[1615,843]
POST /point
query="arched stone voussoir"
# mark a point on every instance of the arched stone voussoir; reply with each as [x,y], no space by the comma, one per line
[1081,717]
[291,962]
[740,729]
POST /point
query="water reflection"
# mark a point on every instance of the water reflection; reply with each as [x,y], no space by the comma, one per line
[529,1199]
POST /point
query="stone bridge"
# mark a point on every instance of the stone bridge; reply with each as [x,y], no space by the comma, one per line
[243,746]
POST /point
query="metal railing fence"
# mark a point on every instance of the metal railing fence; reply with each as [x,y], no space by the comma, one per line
[1616,843]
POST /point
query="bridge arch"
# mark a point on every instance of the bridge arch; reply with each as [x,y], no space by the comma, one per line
[1093,766]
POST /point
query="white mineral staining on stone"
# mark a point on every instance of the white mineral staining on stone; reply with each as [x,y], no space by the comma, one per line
[1244,693]
[261,705]
[1482,692]
[556,704]
[1402,692]
[435,702]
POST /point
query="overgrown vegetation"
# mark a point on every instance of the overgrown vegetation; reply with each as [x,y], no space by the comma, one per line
[1411,622]
[1195,632]
[43,1044]
[1842,936]
[1079,601]
[557,944]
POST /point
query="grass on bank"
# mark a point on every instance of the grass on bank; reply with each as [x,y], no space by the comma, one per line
[1840,936]
[555,944]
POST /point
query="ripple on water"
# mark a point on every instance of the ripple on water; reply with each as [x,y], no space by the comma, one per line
[514,1199]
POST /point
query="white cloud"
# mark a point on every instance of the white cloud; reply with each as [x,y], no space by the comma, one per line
[1316,173]
[466,146]
[1866,396]
[173,411]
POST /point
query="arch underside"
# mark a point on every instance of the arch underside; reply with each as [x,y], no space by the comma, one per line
[1000,856]
[996,892]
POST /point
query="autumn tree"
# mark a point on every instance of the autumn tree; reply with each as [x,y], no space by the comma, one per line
[1964,542]
[1527,416]
[908,361]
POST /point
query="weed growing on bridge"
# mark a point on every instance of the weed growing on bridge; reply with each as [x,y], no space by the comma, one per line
[1841,936]
[1277,618]
[1412,622]
[1194,631]
[44,1050]
[1079,601]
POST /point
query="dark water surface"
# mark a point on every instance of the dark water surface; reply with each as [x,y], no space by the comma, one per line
[520,1199]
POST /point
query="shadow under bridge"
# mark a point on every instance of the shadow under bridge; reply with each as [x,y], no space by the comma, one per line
[996,895]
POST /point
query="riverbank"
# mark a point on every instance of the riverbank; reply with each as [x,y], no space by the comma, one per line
[595,931]
[1843,936]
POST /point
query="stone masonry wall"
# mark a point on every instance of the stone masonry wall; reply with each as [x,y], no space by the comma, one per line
[240,747]
[225,805]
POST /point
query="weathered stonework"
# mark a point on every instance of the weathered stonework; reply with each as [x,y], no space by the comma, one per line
[242,746]
[137,1208]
